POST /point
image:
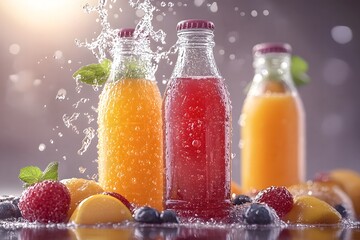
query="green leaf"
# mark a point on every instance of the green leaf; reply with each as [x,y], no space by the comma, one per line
[94,74]
[299,68]
[30,175]
[51,172]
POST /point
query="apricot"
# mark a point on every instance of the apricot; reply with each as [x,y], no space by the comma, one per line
[80,189]
[349,182]
[100,208]
[311,210]
[326,191]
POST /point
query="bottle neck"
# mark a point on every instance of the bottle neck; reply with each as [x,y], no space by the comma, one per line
[272,74]
[195,54]
[132,60]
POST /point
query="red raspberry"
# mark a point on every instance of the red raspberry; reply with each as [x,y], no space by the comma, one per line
[45,202]
[279,198]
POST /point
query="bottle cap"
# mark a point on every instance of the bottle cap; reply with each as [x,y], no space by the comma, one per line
[195,24]
[264,48]
[126,32]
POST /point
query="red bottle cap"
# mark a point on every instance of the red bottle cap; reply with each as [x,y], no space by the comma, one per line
[264,48]
[195,24]
[126,32]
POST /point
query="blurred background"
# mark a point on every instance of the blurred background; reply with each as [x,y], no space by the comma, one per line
[38,56]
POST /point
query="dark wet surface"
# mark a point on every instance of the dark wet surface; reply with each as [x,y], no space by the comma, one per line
[10,231]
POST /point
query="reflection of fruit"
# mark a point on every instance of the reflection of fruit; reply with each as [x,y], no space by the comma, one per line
[80,189]
[311,210]
[235,188]
[326,191]
[45,202]
[279,198]
[103,233]
[100,208]
[315,233]
[349,182]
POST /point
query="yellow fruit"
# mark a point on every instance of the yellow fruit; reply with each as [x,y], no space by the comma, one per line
[326,191]
[349,182]
[100,208]
[311,210]
[103,233]
[79,190]
[235,188]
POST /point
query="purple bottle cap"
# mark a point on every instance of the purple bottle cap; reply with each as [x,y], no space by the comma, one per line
[126,32]
[195,24]
[264,48]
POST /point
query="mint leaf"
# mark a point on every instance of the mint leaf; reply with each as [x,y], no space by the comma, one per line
[50,172]
[94,74]
[30,175]
[299,68]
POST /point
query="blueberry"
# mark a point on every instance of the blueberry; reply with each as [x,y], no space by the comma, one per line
[241,199]
[342,210]
[147,215]
[7,210]
[15,201]
[258,213]
[169,216]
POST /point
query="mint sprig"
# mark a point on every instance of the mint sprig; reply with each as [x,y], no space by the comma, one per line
[299,68]
[94,74]
[32,174]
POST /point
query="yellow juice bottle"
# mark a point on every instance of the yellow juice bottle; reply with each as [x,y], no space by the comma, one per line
[130,129]
[272,123]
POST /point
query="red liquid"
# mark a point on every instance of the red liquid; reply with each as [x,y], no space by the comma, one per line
[197,147]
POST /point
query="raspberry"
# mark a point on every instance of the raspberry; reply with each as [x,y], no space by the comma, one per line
[279,198]
[45,202]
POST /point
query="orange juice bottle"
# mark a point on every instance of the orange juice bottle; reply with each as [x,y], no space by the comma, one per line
[130,126]
[272,123]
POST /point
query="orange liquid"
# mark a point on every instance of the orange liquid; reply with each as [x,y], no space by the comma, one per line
[272,141]
[130,141]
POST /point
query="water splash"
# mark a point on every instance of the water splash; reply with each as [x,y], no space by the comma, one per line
[89,135]
[68,121]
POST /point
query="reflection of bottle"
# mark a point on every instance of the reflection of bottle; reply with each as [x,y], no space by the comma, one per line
[130,128]
[272,123]
[197,128]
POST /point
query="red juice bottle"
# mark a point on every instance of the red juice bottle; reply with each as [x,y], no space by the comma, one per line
[197,128]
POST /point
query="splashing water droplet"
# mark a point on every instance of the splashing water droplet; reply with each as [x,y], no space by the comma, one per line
[64,158]
[82,169]
[89,135]
[42,147]
[51,141]
[61,94]
[196,143]
[214,7]
[60,134]
[163,4]
[68,121]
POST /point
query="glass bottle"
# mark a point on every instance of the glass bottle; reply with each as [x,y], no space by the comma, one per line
[197,128]
[130,126]
[272,123]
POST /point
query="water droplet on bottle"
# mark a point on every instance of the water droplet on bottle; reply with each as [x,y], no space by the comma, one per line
[196,143]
